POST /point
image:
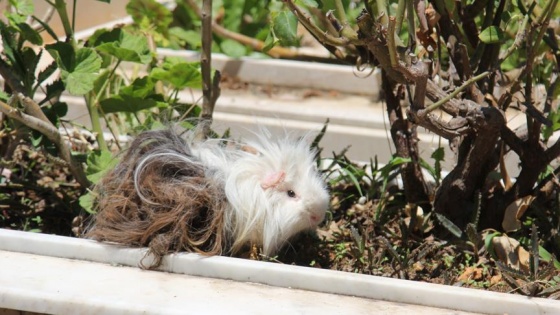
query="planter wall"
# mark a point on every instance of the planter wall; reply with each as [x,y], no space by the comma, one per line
[62,275]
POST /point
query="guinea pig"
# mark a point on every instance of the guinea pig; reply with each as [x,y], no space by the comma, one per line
[171,192]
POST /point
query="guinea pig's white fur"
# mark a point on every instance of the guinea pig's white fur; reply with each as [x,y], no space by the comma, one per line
[272,186]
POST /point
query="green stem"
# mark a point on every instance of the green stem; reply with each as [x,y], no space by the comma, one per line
[92,104]
[95,122]
[106,82]
[411,24]
[74,15]
[340,12]
[323,37]
[60,6]
[400,15]
[382,11]
[455,93]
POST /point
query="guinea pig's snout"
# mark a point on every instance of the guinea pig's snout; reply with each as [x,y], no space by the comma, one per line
[315,218]
[316,206]
[317,212]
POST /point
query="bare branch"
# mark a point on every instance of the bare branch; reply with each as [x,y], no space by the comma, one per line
[205,65]
[454,93]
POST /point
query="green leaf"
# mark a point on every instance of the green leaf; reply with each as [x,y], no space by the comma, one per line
[285,28]
[46,26]
[450,226]
[4,96]
[137,96]
[179,75]
[233,14]
[98,163]
[9,42]
[554,117]
[438,154]
[23,7]
[55,111]
[129,104]
[124,46]
[86,202]
[270,41]
[36,138]
[81,78]
[189,37]
[29,34]
[53,90]
[149,14]
[63,54]
[491,35]
[488,243]
[101,82]
[29,60]
[233,48]
[393,163]
[353,180]
[46,73]
[546,256]
[140,87]
[308,3]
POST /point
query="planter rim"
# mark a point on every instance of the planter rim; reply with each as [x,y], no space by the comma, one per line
[286,276]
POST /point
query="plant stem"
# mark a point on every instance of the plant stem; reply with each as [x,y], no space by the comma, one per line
[206,54]
[340,12]
[206,64]
[74,15]
[60,6]
[400,14]
[519,38]
[95,121]
[314,29]
[93,109]
[411,25]
[382,11]
[454,93]
[391,42]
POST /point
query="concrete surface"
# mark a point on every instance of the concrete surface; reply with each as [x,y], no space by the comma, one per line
[64,286]
[63,275]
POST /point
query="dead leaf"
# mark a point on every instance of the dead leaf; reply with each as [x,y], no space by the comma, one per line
[418,266]
[411,210]
[495,279]
[471,273]
[511,253]
[514,212]
[330,233]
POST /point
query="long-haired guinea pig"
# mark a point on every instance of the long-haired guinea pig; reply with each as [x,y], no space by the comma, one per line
[173,193]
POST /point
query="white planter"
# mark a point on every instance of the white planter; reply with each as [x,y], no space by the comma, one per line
[63,275]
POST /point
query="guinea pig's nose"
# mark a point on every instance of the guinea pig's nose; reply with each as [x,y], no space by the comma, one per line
[316,218]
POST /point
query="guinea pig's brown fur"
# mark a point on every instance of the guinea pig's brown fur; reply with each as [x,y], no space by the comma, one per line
[187,208]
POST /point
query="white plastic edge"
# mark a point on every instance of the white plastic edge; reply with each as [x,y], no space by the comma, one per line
[287,276]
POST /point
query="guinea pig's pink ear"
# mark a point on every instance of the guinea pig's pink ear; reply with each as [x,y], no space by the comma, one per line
[272,179]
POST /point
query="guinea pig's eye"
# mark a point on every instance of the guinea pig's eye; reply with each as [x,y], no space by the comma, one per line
[291,193]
